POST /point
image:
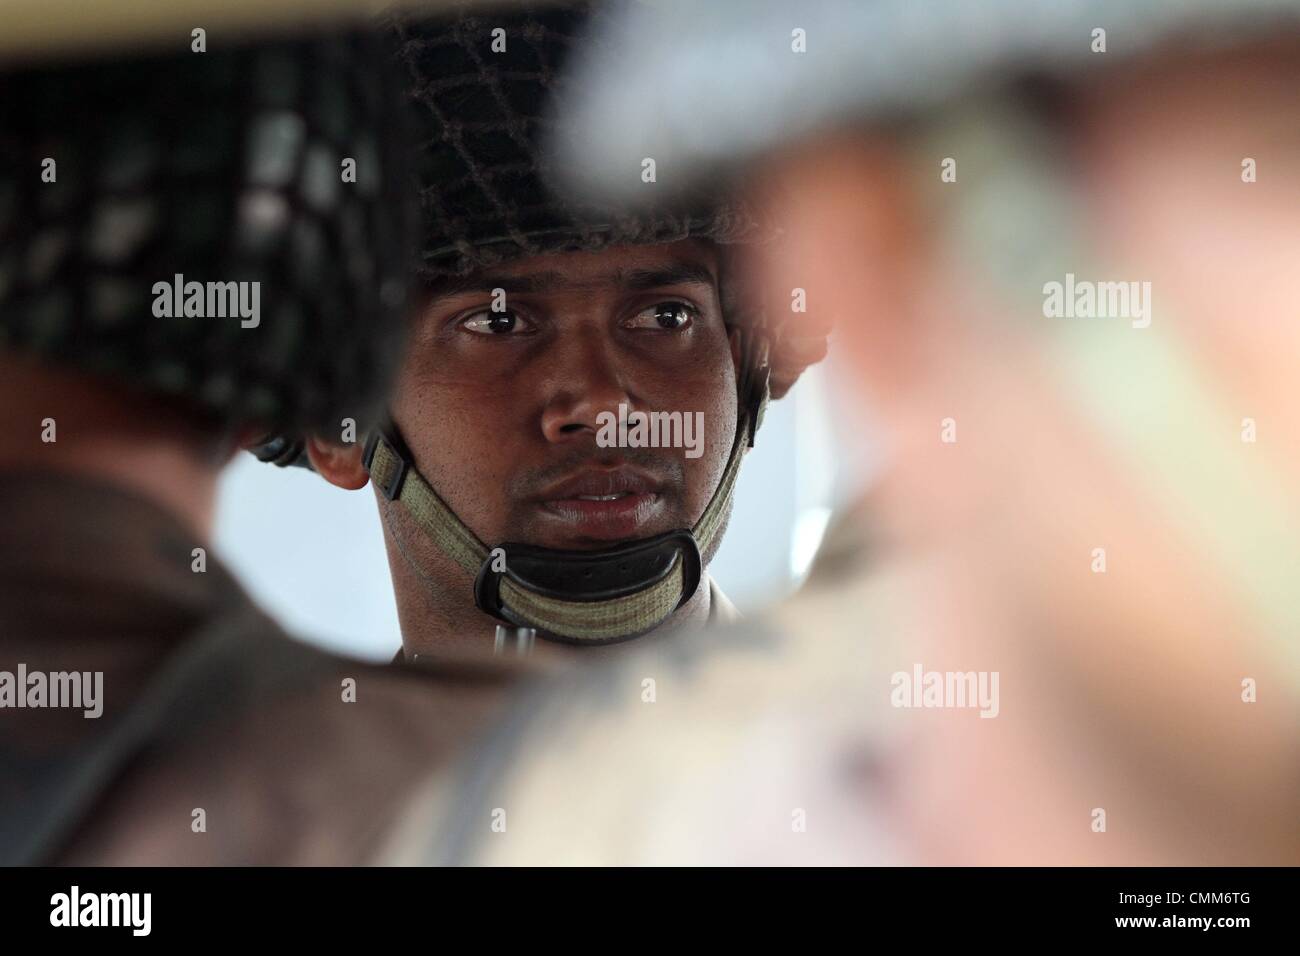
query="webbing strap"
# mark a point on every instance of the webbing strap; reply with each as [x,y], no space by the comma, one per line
[575,620]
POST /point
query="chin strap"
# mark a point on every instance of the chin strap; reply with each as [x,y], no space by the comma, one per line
[587,597]
[580,597]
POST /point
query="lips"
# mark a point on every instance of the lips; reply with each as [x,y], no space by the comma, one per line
[602,505]
[602,483]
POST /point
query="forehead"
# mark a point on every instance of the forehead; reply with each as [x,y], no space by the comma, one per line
[617,267]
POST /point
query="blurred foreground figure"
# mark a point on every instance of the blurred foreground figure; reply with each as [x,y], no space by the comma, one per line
[1059,242]
[184,259]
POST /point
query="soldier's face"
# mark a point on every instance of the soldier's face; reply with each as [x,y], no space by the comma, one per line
[523,387]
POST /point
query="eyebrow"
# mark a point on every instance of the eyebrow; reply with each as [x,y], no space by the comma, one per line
[540,283]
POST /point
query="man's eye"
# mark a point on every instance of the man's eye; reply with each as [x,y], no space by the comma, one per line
[496,323]
[673,316]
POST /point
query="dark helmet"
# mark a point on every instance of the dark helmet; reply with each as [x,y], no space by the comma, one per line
[142,196]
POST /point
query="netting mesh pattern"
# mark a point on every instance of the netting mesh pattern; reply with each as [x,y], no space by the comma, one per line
[485,117]
[219,166]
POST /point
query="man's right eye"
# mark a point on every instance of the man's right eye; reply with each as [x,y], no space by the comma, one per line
[487,322]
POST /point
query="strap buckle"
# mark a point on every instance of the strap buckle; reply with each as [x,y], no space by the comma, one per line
[391,488]
[756,387]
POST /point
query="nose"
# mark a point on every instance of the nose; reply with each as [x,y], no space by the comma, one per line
[589,380]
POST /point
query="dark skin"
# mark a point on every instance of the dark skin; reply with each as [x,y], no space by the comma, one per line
[500,410]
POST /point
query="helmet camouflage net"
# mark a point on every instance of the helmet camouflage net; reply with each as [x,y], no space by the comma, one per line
[225,166]
[490,91]
[488,88]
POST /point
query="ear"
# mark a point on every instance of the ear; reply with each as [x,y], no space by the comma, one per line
[338,464]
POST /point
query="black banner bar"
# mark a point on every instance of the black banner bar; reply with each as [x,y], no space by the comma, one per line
[228,906]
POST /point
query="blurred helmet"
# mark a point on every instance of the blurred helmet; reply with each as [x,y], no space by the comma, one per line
[144,196]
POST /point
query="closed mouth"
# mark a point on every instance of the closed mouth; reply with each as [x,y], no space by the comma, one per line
[601,485]
[602,506]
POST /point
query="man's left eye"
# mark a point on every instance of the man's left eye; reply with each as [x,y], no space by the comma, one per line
[497,323]
[673,316]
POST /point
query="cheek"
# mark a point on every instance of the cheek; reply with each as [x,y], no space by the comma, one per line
[720,434]
[458,430]
[700,377]
[713,394]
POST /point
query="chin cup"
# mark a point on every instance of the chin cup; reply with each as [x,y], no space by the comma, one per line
[589,576]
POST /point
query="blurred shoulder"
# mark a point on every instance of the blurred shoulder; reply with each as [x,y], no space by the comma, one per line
[295,756]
